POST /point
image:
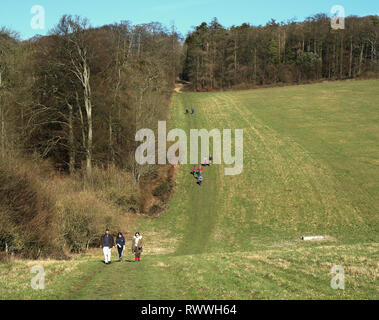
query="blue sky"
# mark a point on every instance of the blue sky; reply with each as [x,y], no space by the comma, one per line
[16,15]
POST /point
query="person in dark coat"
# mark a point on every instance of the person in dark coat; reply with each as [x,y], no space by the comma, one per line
[137,244]
[120,243]
[107,243]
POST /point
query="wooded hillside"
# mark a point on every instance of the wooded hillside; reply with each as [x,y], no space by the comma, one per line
[219,57]
[78,95]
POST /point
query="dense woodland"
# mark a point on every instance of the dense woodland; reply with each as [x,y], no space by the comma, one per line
[77,95]
[291,52]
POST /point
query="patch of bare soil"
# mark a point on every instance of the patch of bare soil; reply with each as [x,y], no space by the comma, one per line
[178,87]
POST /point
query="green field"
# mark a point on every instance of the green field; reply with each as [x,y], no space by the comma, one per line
[311,167]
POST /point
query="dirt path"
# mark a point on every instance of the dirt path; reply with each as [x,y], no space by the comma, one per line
[178,87]
[203,205]
[152,278]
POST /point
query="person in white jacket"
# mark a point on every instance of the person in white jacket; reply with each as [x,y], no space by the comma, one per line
[137,244]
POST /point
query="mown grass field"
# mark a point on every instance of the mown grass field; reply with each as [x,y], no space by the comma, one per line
[311,167]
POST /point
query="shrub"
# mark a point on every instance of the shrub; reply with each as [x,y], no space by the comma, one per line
[82,219]
[286,73]
[369,75]
[115,186]
[155,209]
[26,211]
[162,189]
[127,202]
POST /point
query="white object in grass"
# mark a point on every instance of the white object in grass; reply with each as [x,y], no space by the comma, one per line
[312,237]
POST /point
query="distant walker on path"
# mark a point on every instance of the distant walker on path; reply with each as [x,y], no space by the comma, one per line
[199,180]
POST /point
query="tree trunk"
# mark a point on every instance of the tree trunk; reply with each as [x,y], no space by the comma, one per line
[2,123]
[71,140]
[88,108]
[110,142]
[139,45]
[361,59]
[351,56]
[197,73]
[235,59]
[320,74]
[341,57]
[284,47]
[255,65]
[84,140]
[335,59]
[2,120]
[279,47]
[173,60]
[373,50]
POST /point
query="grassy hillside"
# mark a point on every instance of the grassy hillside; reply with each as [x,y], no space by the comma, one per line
[311,166]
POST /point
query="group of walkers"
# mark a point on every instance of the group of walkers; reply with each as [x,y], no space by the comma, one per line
[198,172]
[107,243]
[192,111]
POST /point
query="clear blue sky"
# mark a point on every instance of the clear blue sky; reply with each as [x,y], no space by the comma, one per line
[16,15]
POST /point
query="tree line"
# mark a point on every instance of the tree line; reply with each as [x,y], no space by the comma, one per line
[288,52]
